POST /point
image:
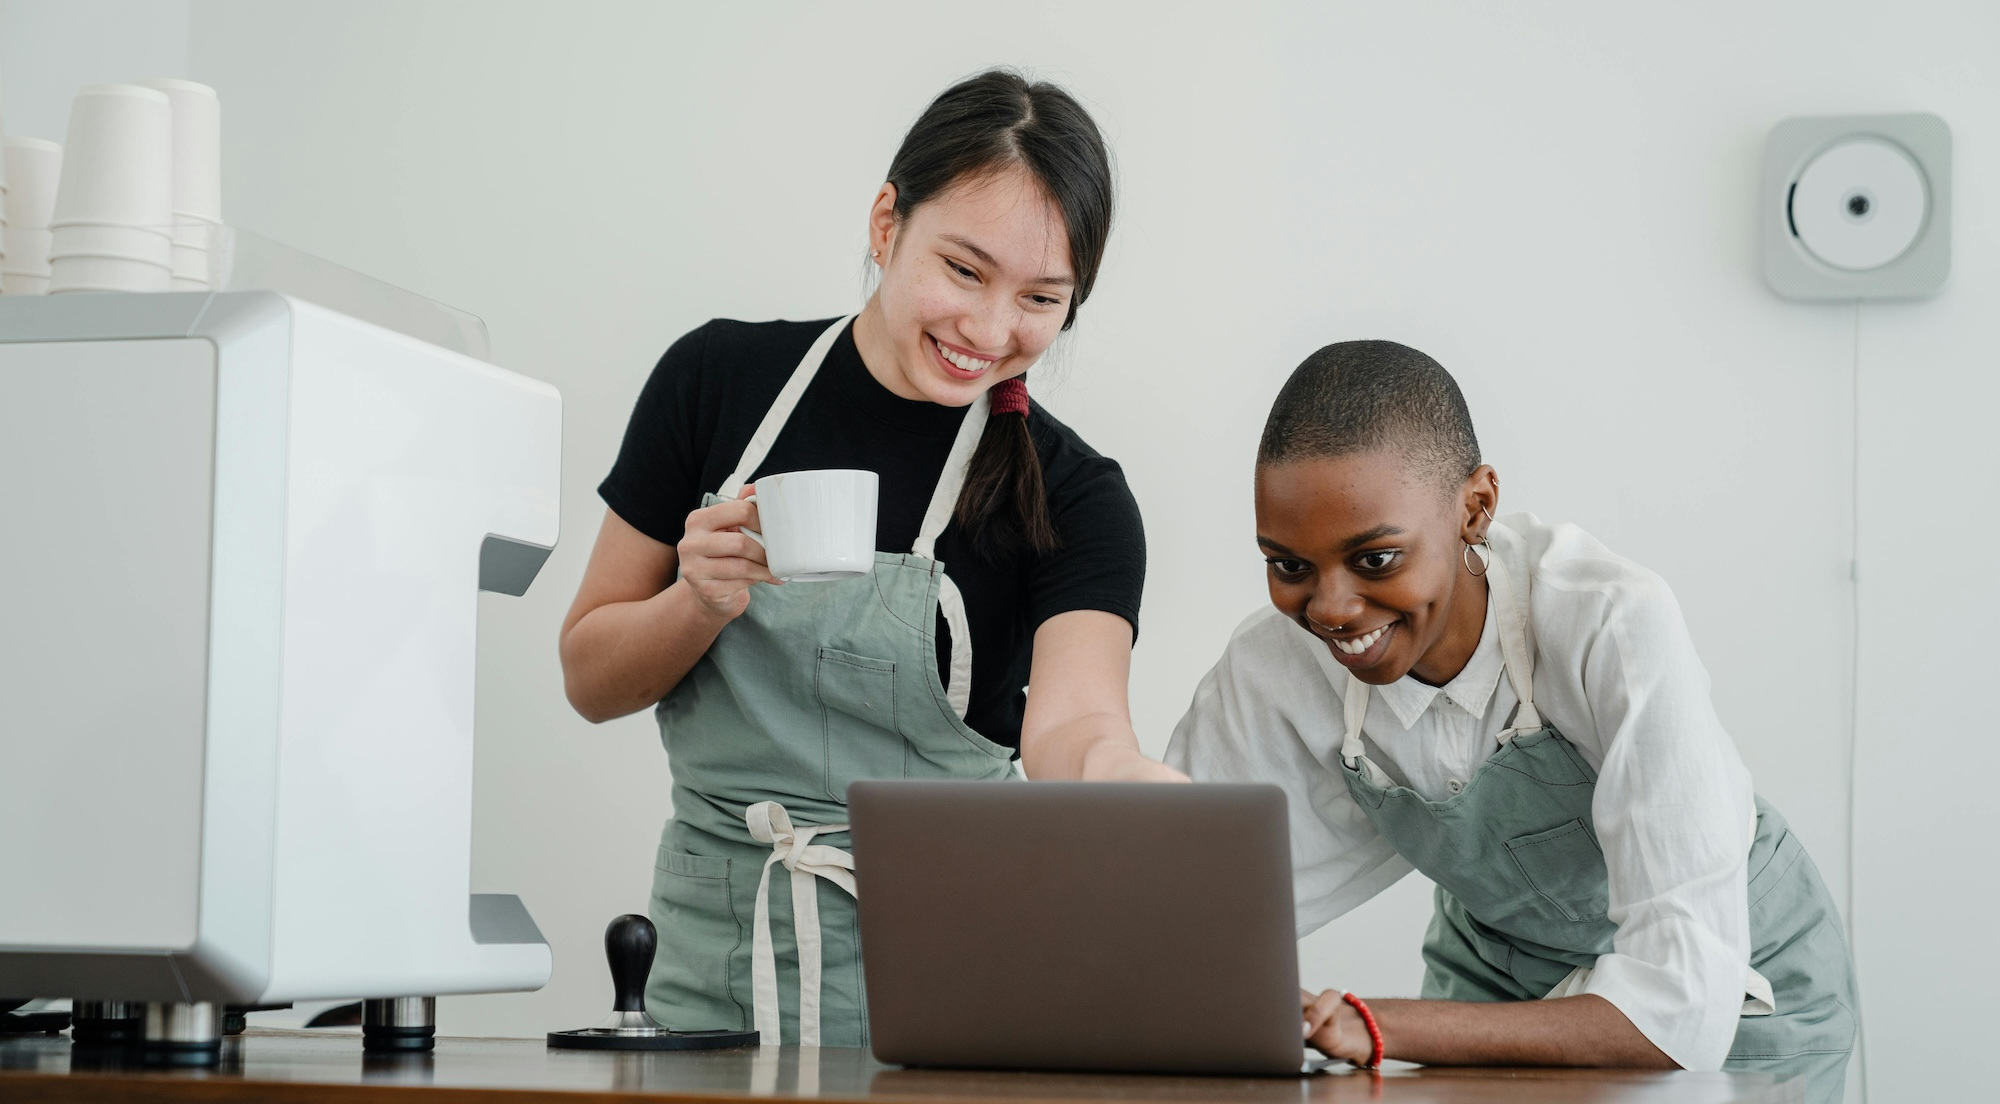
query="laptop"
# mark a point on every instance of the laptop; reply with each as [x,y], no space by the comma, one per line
[1078,926]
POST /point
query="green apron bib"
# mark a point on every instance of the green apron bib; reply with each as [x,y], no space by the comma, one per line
[815,686]
[1522,889]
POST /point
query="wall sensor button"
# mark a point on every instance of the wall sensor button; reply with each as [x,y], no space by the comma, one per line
[1860,204]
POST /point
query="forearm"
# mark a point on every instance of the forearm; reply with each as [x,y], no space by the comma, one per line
[1568,1031]
[1065,751]
[624,656]
[1077,725]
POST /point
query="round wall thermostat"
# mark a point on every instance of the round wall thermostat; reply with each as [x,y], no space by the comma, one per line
[1860,204]
[1857,206]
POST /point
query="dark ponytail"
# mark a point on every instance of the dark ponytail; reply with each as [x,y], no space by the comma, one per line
[991,122]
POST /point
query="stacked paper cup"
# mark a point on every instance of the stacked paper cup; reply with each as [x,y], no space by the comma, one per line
[33,166]
[3,199]
[197,187]
[113,225]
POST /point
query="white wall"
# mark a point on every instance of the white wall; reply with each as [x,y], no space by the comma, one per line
[50,47]
[1556,201]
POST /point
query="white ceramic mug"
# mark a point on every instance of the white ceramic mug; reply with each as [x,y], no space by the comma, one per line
[818,525]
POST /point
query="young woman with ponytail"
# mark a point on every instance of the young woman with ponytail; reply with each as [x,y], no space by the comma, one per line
[1028,557]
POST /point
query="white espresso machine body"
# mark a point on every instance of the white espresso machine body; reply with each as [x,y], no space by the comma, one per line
[238,619]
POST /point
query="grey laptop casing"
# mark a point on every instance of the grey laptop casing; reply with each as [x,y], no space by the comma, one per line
[1078,926]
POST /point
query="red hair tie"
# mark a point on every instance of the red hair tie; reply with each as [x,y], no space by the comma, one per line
[1010,396]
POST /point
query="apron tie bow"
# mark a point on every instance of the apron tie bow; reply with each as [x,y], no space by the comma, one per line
[794,847]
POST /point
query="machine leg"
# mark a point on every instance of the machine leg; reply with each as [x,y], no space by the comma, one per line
[183,1034]
[106,1023]
[399,1024]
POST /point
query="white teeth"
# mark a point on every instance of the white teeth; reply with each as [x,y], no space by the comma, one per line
[1362,643]
[964,363]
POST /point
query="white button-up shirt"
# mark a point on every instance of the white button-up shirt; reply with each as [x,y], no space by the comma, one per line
[1616,673]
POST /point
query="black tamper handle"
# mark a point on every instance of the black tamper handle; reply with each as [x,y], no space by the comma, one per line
[629,943]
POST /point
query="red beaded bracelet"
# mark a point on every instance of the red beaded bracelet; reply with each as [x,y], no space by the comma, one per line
[1374,1032]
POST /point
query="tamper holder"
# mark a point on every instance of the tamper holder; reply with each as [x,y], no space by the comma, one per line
[629,943]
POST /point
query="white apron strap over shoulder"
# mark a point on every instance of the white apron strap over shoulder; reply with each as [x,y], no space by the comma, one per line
[781,410]
[1354,713]
[944,500]
[1511,610]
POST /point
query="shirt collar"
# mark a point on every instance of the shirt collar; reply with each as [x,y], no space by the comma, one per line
[1471,690]
[866,395]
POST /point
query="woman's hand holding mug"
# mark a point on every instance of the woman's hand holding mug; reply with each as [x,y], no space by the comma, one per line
[719,561]
[817,526]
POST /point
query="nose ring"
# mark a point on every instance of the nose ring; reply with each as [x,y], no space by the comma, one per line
[1322,628]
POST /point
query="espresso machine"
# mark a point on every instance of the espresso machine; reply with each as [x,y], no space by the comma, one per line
[242,540]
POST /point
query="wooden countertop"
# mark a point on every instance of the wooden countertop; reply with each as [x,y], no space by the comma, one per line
[316,1067]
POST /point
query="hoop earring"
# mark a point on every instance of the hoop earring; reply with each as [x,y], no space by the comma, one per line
[1468,555]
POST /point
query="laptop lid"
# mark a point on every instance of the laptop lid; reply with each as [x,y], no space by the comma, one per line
[1073,925]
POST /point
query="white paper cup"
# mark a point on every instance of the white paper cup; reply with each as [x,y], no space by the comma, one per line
[118,160]
[23,283]
[198,233]
[818,525]
[190,265]
[80,273]
[197,116]
[27,250]
[33,167]
[152,245]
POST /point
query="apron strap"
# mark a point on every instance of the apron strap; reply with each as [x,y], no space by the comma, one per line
[1517,657]
[951,481]
[781,411]
[1354,706]
[1354,709]
[770,823]
[944,500]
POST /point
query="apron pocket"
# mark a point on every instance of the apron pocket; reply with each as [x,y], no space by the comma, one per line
[1566,867]
[699,932]
[857,708]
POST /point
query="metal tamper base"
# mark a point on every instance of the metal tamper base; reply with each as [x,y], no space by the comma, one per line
[629,944]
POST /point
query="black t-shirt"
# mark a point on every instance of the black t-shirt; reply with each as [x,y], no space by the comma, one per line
[712,388]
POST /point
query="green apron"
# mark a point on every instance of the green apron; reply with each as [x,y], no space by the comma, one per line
[1522,888]
[815,686]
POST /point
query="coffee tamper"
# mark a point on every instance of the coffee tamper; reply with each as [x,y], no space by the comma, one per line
[629,943]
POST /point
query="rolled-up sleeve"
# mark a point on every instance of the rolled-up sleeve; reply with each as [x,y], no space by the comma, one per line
[1266,712]
[1674,814]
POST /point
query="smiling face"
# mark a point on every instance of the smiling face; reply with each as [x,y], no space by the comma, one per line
[1369,558]
[975,286]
